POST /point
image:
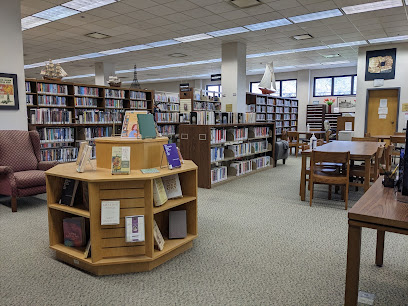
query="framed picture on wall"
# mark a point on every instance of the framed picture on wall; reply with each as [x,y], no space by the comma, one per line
[346,104]
[380,64]
[8,91]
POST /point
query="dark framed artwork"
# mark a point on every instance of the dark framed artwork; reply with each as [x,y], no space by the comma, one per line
[380,64]
[8,91]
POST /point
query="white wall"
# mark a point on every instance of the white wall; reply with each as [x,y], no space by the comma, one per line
[401,76]
[12,61]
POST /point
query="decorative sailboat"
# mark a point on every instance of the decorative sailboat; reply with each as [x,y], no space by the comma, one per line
[53,72]
[267,84]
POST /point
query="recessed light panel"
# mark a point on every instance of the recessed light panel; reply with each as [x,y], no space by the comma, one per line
[245,3]
[32,22]
[229,31]
[56,12]
[137,47]
[316,16]
[371,6]
[68,59]
[388,39]
[193,37]
[80,76]
[113,51]
[268,24]
[331,55]
[163,43]
[302,37]
[97,35]
[86,5]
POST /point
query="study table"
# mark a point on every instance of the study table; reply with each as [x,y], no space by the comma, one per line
[318,134]
[377,209]
[359,151]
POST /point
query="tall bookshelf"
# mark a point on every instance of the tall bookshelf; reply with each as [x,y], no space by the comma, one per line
[282,111]
[315,116]
[66,113]
[166,113]
[227,151]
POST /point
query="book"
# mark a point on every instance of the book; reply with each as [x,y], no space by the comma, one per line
[85,195]
[84,158]
[110,212]
[130,126]
[177,224]
[171,152]
[158,237]
[193,118]
[87,251]
[82,146]
[74,231]
[159,192]
[180,156]
[120,160]
[68,193]
[134,228]
[146,126]
[150,170]
[172,186]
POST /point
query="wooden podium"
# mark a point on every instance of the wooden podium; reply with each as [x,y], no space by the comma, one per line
[144,153]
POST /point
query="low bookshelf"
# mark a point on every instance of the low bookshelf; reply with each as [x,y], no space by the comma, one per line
[110,253]
[228,151]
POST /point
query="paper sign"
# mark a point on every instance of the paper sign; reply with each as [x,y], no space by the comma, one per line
[383,110]
[348,126]
[383,102]
[228,107]
[336,110]
[378,82]
[404,107]
[110,212]
[382,116]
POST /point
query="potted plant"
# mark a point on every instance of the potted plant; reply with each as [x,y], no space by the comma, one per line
[329,102]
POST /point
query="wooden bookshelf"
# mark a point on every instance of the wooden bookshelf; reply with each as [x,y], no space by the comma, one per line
[315,116]
[197,143]
[110,253]
[166,114]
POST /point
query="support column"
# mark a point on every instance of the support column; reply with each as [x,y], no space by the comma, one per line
[198,84]
[233,76]
[303,94]
[12,61]
[102,72]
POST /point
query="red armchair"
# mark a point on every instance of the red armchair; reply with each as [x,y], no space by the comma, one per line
[21,169]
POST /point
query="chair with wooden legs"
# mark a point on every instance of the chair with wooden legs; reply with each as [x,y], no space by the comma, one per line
[337,177]
[385,160]
[367,135]
[367,139]
[399,134]
[397,141]
[327,136]
[294,142]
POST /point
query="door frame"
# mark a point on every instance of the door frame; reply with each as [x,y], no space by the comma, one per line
[368,97]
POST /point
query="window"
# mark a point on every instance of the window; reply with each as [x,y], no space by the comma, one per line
[216,88]
[345,85]
[288,88]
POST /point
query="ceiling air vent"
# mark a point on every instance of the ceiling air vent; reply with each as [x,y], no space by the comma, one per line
[302,37]
[245,3]
[97,35]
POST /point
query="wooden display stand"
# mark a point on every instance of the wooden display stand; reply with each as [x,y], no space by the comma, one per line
[144,153]
[110,253]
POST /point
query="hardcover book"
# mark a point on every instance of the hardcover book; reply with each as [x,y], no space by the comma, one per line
[69,190]
[159,193]
[177,224]
[134,227]
[74,231]
[224,118]
[110,212]
[120,160]
[172,186]
[158,237]
[82,146]
[172,155]
[193,118]
[146,126]
[87,251]
[130,126]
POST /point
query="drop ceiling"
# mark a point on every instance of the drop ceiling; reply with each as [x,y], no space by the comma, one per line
[134,22]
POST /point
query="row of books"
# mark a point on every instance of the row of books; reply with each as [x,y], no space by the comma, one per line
[218,136]
[30,99]
[50,115]
[269,117]
[60,154]
[98,116]
[52,100]
[260,131]
[86,91]
[202,117]
[260,100]
[92,132]
[169,107]
[261,162]
[167,97]
[241,167]
[114,93]
[241,149]
[260,117]
[85,101]
[259,146]
[209,106]
[166,117]
[113,103]
[56,134]
[52,88]
[49,145]
[27,86]
[138,104]
[218,174]
[217,154]
[260,109]
[167,129]
[238,134]
[138,95]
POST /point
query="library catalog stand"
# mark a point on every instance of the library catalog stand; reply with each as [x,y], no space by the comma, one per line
[110,253]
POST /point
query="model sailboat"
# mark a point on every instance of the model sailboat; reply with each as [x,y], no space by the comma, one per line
[53,72]
[267,84]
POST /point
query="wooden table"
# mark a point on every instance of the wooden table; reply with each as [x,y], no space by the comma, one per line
[318,134]
[359,150]
[382,137]
[377,209]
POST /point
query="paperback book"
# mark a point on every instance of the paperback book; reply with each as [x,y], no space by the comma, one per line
[172,186]
[177,224]
[120,160]
[158,237]
[74,231]
[130,126]
[172,155]
[159,192]
[68,193]
[134,227]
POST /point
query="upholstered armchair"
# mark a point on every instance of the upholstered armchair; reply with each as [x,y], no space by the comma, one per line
[22,173]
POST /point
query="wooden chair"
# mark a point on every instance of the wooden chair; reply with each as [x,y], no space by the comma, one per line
[368,139]
[367,135]
[327,136]
[399,134]
[320,142]
[337,177]
[294,142]
[385,160]
[397,141]
[357,172]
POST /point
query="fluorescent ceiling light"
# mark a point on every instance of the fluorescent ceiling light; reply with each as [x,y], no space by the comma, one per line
[280,52]
[32,22]
[229,31]
[193,37]
[92,55]
[372,6]
[388,39]
[267,24]
[316,16]
[56,12]
[80,76]
[68,59]
[113,51]
[86,5]
[163,43]
[348,44]
[137,47]
[35,65]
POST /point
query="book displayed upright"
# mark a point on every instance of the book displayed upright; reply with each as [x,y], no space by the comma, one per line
[177,224]
[68,193]
[159,192]
[74,231]
[172,186]
[120,160]
[110,212]
[158,237]
[134,228]
[85,158]
[146,126]
[172,155]
[130,126]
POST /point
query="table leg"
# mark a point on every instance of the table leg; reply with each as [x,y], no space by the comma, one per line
[379,252]
[303,179]
[367,174]
[353,265]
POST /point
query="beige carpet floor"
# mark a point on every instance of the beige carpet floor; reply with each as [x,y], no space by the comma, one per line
[258,245]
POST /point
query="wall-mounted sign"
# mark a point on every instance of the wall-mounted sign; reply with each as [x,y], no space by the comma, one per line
[184,86]
[216,77]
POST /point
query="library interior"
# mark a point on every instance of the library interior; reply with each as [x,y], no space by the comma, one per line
[218,152]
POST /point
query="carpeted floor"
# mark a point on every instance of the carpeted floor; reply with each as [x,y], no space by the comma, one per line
[258,245]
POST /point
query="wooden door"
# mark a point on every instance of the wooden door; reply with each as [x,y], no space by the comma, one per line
[375,124]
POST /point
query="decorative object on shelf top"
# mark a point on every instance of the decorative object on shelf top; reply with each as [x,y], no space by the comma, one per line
[329,102]
[267,84]
[114,81]
[53,72]
[135,83]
